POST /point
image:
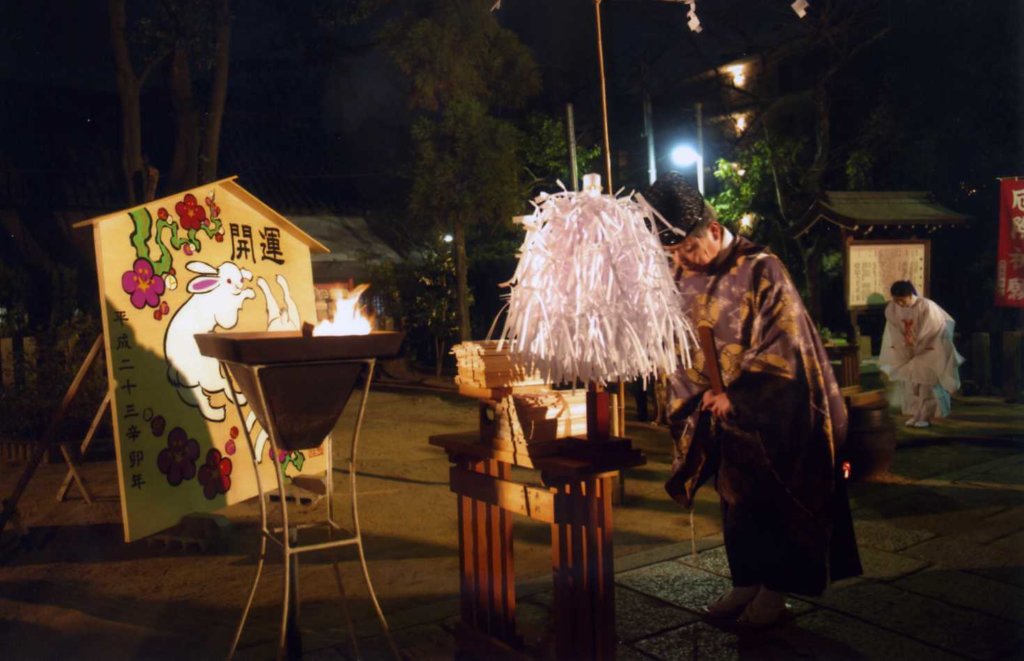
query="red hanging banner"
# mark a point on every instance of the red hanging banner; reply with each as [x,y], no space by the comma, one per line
[1010,255]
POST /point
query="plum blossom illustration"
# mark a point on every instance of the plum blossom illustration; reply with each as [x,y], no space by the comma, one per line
[191,215]
[161,311]
[178,460]
[215,474]
[230,447]
[142,284]
[157,425]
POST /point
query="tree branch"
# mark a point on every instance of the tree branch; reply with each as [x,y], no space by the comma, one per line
[148,69]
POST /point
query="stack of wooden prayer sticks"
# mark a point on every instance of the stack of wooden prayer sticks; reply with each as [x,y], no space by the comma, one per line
[487,364]
[519,413]
[531,422]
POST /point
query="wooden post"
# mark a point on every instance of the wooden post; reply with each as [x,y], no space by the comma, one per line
[1013,380]
[583,570]
[486,567]
[104,406]
[981,363]
[598,427]
[10,505]
[7,362]
[29,360]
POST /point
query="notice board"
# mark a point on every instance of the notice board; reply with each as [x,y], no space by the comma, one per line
[211,259]
[872,267]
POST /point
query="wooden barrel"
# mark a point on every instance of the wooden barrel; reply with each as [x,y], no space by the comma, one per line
[870,442]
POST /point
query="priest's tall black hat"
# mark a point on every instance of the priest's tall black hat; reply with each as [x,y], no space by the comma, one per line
[680,205]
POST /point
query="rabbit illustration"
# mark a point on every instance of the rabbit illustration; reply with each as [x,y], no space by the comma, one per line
[280,318]
[217,297]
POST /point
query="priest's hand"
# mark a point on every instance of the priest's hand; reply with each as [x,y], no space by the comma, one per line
[719,404]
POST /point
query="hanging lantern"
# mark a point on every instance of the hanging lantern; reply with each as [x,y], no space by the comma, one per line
[593,296]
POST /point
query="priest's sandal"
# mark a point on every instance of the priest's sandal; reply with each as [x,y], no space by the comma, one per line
[766,610]
[732,603]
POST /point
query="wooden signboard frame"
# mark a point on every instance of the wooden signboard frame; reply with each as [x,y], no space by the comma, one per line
[899,273]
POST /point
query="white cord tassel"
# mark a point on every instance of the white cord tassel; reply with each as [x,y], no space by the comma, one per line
[593,296]
[693,533]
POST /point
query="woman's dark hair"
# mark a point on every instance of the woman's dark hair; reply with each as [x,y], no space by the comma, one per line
[902,288]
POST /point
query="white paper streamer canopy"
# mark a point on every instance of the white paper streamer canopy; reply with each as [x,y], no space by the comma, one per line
[593,296]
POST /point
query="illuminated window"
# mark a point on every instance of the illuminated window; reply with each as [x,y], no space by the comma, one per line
[738,73]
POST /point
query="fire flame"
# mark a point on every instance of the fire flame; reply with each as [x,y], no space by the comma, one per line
[348,318]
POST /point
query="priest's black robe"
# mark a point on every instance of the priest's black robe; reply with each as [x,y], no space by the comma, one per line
[786,516]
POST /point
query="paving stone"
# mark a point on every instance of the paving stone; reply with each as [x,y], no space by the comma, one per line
[428,642]
[1007,466]
[677,584]
[924,458]
[688,587]
[1005,471]
[886,566]
[943,510]
[327,654]
[887,537]
[694,641]
[638,615]
[1011,547]
[712,560]
[626,653]
[829,635]
[865,497]
[969,590]
[959,553]
[999,525]
[1009,575]
[954,629]
[545,599]
[534,623]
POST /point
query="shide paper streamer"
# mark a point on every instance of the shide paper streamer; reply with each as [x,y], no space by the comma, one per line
[593,296]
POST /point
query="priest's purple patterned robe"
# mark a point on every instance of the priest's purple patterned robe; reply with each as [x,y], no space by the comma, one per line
[786,516]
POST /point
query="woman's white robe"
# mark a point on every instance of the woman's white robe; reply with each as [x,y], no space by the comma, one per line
[929,364]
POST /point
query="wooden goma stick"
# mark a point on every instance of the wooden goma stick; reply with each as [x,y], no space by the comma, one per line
[712,370]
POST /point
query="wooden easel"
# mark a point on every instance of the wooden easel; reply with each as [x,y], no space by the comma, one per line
[10,504]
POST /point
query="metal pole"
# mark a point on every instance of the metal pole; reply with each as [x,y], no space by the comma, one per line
[700,149]
[652,166]
[604,99]
[570,138]
[618,401]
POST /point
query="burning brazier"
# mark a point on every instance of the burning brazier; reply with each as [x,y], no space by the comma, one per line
[298,384]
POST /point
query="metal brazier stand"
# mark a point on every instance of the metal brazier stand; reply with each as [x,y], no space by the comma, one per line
[297,387]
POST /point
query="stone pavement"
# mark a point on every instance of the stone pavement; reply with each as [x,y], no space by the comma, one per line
[941,539]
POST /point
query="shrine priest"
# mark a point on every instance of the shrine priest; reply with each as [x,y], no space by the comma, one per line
[918,355]
[772,436]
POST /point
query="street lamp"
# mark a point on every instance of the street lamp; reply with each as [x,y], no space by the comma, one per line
[684,156]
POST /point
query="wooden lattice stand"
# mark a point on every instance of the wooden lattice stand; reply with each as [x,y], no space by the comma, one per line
[575,498]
